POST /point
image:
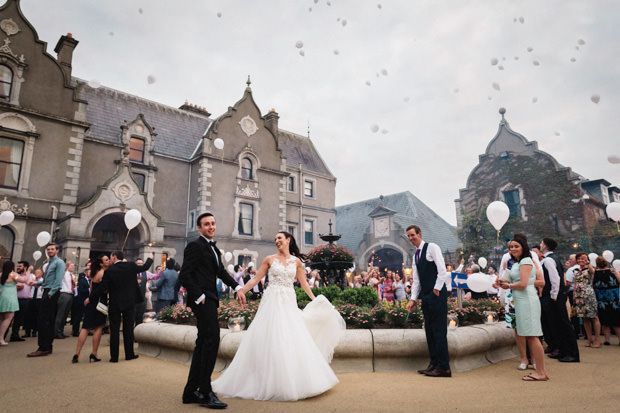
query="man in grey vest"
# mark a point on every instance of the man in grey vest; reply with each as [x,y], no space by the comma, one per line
[431,283]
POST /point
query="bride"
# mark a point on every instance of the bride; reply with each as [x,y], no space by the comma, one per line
[285,353]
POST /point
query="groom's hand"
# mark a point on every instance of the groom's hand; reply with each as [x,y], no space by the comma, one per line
[410,306]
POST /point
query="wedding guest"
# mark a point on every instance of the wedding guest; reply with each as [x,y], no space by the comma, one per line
[47,311]
[584,300]
[388,287]
[569,278]
[65,299]
[166,285]
[8,297]
[527,304]
[143,281]
[94,320]
[492,292]
[80,293]
[365,278]
[605,284]
[239,273]
[431,284]
[24,295]
[32,313]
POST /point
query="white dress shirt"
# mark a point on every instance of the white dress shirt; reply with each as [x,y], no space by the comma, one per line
[433,253]
[554,277]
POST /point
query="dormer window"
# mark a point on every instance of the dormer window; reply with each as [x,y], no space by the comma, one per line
[136,149]
[6,82]
[246,168]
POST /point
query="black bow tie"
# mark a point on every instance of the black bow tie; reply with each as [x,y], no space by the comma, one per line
[211,243]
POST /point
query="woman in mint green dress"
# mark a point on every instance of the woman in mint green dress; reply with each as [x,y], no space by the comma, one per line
[526,302]
[8,297]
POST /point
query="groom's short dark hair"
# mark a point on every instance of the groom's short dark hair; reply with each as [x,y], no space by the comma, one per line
[203,215]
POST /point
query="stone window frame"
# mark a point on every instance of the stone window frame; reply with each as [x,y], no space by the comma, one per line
[311,181]
[10,83]
[313,221]
[20,163]
[291,228]
[247,173]
[255,218]
[17,69]
[522,201]
[19,127]
[135,138]
[241,219]
[255,163]
[291,179]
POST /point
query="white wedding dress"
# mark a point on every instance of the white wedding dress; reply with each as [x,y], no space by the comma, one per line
[285,354]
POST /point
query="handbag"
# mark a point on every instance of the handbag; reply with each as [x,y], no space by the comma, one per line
[506,276]
[102,308]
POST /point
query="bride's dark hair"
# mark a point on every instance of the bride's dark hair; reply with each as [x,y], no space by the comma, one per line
[292,246]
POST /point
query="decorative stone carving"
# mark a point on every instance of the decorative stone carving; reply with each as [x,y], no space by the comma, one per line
[9,27]
[6,49]
[247,191]
[248,126]
[5,205]
[123,191]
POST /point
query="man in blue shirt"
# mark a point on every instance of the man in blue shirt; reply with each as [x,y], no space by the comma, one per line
[47,312]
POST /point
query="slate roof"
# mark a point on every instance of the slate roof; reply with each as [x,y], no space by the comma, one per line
[178,131]
[352,220]
[300,149]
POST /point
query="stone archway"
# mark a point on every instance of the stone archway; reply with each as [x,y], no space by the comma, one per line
[108,235]
[387,258]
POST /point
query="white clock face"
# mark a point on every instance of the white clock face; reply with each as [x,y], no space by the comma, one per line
[382,227]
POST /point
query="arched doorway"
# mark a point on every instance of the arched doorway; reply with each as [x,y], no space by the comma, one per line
[7,241]
[109,233]
[387,259]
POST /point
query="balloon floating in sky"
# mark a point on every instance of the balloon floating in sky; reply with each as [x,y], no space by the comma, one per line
[495,86]
[521,20]
[219,15]
[43,238]
[595,98]
[218,143]
[6,217]
[384,131]
[301,53]
[497,214]
[336,52]
[384,72]
[299,44]
[613,210]
[132,218]
[94,83]
[536,63]
[572,59]
[36,255]
[529,49]
[613,158]
[374,128]
[150,79]
[344,22]
[534,99]
[493,61]
[500,67]
[608,255]
[367,83]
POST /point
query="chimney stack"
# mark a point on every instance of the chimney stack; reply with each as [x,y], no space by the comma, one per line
[64,50]
[271,121]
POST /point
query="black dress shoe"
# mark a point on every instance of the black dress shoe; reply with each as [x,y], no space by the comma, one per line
[17,339]
[426,370]
[113,360]
[212,402]
[439,372]
[554,355]
[569,359]
[135,356]
[193,397]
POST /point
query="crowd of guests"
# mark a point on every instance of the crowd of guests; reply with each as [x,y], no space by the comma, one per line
[37,302]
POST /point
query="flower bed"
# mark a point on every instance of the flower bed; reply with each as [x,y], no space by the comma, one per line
[358,306]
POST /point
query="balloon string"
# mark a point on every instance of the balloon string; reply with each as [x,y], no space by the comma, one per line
[126,236]
[497,240]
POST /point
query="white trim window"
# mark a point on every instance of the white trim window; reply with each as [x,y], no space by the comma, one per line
[11,155]
[309,188]
[309,229]
[245,223]
[291,184]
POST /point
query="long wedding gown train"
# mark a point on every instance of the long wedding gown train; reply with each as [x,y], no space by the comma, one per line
[285,353]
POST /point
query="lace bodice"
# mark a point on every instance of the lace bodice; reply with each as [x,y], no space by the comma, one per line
[281,275]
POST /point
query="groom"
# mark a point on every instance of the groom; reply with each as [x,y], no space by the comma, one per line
[431,283]
[202,265]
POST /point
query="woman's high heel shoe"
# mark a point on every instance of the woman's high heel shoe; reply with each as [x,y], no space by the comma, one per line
[75,359]
[92,358]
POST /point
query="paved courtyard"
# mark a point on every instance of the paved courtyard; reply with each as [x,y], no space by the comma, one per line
[53,384]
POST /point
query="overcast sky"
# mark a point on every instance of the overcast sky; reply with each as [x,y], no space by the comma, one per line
[400,95]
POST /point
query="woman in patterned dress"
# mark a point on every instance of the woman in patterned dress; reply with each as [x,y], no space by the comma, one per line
[584,300]
[605,284]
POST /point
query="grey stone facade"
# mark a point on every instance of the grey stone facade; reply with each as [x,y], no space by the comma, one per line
[76,156]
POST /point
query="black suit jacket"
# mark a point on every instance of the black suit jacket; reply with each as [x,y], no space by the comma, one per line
[121,282]
[200,271]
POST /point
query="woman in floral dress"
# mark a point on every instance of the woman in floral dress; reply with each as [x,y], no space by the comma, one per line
[584,300]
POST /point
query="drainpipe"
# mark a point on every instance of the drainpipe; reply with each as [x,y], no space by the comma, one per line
[54,218]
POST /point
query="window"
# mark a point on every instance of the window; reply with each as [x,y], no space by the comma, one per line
[309,189]
[11,152]
[244,260]
[6,81]
[291,230]
[7,241]
[290,184]
[139,178]
[191,220]
[308,232]
[246,218]
[605,194]
[513,201]
[246,168]
[136,150]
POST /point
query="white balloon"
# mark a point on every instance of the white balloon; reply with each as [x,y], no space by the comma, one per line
[132,218]
[616,265]
[478,282]
[36,255]
[482,262]
[250,264]
[608,255]
[613,211]
[230,268]
[43,238]
[219,143]
[6,217]
[228,256]
[592,256]
[498,213]
[613,158]
[308,269]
